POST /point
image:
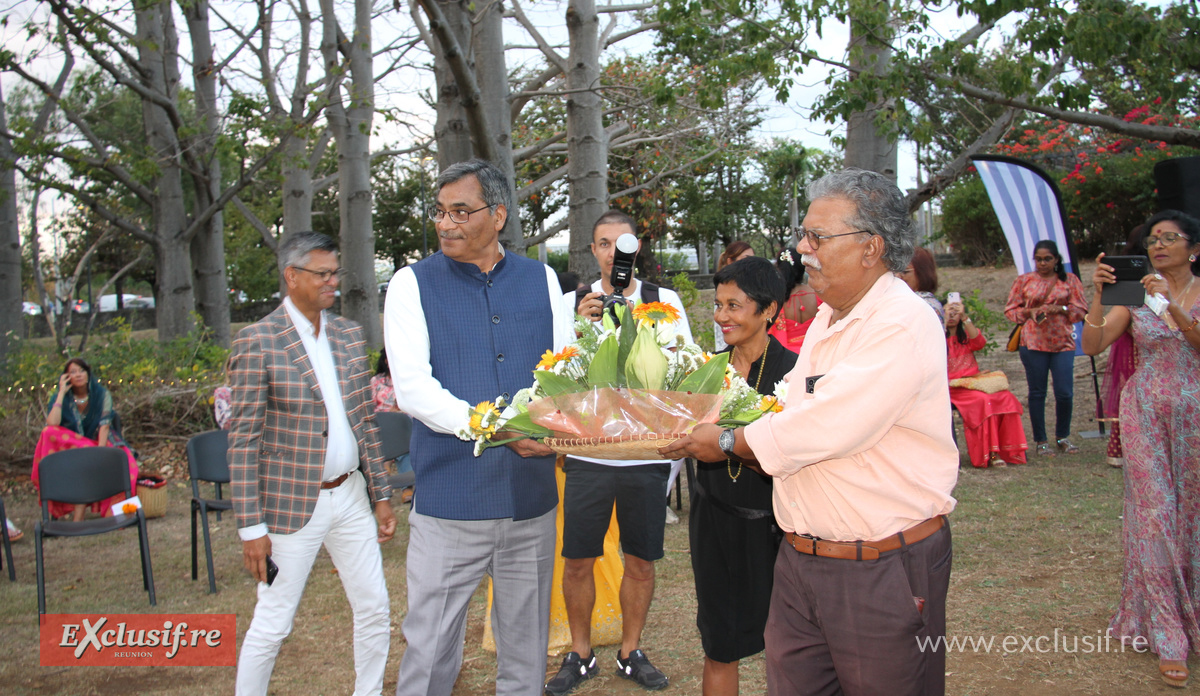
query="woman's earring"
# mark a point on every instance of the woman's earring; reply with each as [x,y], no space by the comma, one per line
[1192,258]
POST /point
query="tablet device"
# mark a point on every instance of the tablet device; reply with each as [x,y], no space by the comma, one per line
[1128,290]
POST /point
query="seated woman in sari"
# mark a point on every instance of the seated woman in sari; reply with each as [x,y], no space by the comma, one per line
[80,415]
[991,421]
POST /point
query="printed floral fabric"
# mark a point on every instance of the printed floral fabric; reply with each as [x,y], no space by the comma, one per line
[223,406]
[1029,293]
[1160,431]
[384,394]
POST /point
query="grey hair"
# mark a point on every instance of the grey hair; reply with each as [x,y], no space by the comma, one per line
[491,180]
[879,208]
[295,249]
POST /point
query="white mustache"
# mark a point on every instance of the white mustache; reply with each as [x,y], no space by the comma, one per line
[810,261]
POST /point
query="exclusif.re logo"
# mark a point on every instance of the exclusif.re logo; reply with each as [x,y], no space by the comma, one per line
[82,640]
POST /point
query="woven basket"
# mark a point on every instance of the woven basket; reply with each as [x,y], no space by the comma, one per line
[153,497]
[622,447]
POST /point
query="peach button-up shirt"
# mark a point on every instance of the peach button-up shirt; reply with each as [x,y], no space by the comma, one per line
[866,451]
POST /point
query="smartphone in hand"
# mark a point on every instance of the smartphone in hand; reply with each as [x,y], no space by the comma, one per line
[272,571]
[1128,290]
[953,297]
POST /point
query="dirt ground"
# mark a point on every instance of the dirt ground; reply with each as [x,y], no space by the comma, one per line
[1037,555]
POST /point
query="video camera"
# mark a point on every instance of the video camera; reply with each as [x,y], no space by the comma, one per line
[622,273]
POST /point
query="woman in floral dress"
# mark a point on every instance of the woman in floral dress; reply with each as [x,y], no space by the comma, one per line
[1160,430]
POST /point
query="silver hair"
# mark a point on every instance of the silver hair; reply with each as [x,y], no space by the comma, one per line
[879,208]
[491,180]
[294,250]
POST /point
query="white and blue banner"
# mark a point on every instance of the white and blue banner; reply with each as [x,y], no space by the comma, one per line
[1030,209]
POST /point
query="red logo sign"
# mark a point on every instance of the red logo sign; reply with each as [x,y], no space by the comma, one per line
[138,640]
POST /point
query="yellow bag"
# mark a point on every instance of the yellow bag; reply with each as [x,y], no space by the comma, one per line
[1014,339]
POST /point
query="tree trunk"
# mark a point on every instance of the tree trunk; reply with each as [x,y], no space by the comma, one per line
[208,246]
[158,56]
[587,143]
[451,130]
[492,75]
[10,245]
[866,146]
[351,125]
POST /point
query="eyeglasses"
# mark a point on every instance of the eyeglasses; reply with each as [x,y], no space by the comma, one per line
[1166,240]
[323,276]
[814,239]
[456,216]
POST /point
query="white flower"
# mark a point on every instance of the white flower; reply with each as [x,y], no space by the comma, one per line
[786,255]
[781,391]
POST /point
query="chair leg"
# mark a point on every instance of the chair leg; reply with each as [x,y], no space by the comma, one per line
[147,570]
[212,576]
[195,505]
[41,570]
[12,570]
[219,498]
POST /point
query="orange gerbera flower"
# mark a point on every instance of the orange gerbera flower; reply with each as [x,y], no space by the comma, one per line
[550,358]
[770,404]
[656,312]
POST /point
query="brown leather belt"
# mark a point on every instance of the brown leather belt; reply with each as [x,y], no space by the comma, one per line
[864,550]
[334,483]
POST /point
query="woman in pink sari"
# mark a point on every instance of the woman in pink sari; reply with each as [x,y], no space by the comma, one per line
[80,415]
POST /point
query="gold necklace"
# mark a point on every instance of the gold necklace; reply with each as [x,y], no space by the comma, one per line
[762,366]
[1183,303]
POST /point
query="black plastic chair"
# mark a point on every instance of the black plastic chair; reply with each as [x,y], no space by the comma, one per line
[12,572]
[395,434]
[207,462]
[80,476]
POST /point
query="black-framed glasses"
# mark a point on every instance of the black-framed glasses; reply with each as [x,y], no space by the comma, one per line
[456,216]
[323,276]
[814,239]
[1166,240]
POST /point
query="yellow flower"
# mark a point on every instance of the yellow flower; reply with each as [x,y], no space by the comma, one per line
[657,312]
[550,358]
[770,404]
[128,509]
[480,415]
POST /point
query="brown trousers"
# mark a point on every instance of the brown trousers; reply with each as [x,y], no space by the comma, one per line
[854,627]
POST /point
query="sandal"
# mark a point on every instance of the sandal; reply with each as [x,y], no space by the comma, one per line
[1165,667]
[1065,446]
[1043,450]
[996,461]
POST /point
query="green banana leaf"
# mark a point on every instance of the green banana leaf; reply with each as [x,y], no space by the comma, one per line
[603,370]
[553,385]
[523,423]
[709,378]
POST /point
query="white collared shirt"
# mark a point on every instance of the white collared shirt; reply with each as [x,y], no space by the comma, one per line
[341,449]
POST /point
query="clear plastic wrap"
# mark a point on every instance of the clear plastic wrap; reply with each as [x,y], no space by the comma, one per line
[614,412]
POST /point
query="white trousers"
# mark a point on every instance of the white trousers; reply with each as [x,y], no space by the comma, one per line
[344,523]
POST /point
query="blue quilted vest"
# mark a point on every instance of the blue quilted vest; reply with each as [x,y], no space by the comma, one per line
[487,331]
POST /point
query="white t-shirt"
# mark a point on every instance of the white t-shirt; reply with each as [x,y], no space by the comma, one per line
[681,328]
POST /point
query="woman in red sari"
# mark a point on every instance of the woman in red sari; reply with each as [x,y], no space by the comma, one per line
[80,415]
[799,308]
[991,422]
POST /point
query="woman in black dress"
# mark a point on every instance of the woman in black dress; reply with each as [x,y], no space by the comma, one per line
[734,539]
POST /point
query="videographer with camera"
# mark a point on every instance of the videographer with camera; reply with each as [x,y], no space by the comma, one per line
[638,488]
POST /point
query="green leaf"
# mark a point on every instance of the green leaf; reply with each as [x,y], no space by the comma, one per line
[523,423]
[603,370]
[709,378]
[553,385]
[626,335]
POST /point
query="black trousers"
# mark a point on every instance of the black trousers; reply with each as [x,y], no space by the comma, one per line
[860,627]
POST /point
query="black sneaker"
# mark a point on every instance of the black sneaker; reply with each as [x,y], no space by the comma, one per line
[638,668]
[572,672]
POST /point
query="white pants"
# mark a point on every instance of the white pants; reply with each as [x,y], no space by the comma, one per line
[344,523]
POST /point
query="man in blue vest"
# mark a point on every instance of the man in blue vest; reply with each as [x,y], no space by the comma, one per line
[638,489]
[466,325]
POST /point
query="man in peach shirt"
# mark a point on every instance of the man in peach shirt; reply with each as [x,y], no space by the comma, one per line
[863,462]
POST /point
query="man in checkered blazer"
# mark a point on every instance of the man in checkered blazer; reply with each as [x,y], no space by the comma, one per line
[306,466]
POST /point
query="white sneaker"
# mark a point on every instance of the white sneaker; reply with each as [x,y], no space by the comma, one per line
[672,518]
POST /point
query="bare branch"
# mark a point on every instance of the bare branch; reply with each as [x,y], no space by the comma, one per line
[542,44]
[263,230]
[662,175]
[624,8]
[522,154]
[546,234]
[541,183]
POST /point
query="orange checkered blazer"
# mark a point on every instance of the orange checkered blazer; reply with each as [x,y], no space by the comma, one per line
[278,428]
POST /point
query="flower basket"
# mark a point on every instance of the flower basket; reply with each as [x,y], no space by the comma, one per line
[153,492]
[613,447]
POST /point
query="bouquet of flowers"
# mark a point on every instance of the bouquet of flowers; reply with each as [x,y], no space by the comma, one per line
[621,390]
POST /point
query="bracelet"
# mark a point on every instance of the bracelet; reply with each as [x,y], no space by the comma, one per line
[1101,325]
[1189,328]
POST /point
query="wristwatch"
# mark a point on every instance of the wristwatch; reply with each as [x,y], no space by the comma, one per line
[726,441]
